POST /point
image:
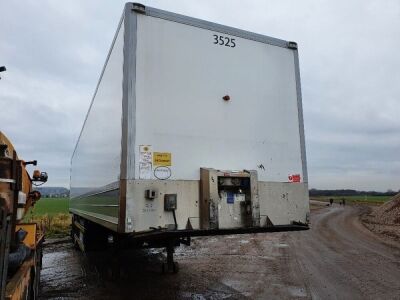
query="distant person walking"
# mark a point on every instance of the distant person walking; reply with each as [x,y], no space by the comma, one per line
[343,201]
[331,201]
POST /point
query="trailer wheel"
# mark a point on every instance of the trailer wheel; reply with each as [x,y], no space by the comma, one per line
[75,243]
[76,246]
[165,269]
[175,267]
[74,233]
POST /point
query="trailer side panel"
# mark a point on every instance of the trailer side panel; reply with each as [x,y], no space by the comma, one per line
[95,164]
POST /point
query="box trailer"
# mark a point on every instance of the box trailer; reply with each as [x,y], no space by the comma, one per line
[194,129]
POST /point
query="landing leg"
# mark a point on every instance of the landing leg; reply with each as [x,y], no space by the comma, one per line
[170,266]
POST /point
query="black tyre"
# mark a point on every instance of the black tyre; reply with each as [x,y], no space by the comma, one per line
[175,267]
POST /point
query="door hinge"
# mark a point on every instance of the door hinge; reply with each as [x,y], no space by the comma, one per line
[139,8]
[292,45]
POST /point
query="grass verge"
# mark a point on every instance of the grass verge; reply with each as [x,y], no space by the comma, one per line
[51,214]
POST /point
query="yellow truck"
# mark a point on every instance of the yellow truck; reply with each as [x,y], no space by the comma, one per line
[20,243]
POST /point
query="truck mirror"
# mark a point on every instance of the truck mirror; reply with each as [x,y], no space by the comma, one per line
[39,176]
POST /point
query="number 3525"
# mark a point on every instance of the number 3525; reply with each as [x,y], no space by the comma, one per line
[224,41]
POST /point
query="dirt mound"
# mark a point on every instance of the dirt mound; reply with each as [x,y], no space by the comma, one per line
[389,213]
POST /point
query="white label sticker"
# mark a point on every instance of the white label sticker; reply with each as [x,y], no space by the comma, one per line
[162,173]
[145,170]
[145,161]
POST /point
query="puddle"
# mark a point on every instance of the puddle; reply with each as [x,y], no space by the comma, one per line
[297,291]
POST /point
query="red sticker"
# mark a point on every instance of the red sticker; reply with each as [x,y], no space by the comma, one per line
[294,178]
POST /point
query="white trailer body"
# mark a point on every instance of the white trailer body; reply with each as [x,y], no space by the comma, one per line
[194,127]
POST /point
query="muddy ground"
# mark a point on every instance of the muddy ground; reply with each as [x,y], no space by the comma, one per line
[337,259]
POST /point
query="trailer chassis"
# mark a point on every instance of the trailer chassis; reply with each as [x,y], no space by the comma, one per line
[83,231]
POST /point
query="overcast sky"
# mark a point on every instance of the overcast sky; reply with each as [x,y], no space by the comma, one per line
[349,61]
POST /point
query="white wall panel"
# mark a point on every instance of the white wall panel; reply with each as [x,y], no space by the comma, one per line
[181,77]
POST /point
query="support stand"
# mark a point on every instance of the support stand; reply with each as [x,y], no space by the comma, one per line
[170,266]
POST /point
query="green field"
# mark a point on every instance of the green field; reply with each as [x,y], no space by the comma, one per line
[51,206]
[354,199]
[52,216]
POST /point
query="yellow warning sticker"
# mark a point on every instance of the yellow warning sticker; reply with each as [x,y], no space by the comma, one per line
[162,159]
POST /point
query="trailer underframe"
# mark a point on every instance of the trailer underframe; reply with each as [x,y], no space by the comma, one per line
[89,236]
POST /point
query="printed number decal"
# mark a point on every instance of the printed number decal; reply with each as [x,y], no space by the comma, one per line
[224,41]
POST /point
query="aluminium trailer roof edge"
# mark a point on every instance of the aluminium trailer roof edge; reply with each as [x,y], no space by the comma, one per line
[170,16]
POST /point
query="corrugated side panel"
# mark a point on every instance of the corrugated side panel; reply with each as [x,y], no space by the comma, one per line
[95,165]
